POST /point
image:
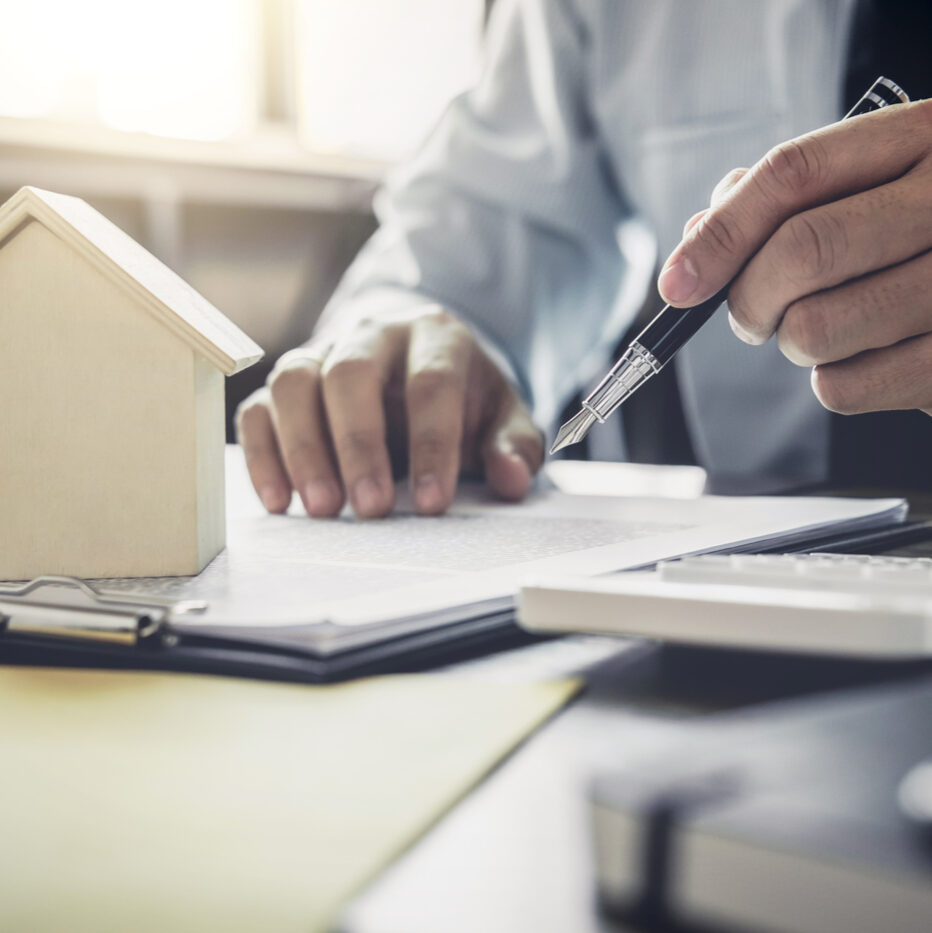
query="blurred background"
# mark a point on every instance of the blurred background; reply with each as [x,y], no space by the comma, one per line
[240,141]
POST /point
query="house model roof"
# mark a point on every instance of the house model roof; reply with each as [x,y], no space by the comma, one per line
[131,267]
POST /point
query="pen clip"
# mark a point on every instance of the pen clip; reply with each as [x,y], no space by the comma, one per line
[882,93]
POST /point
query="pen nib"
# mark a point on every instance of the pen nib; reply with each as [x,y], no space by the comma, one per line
[574,430]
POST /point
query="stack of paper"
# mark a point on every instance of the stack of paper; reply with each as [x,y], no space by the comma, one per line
[332,586]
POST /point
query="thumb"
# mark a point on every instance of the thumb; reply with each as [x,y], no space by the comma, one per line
[709,233]
[513,449]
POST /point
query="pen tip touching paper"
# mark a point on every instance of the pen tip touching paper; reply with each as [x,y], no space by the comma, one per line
[574,430]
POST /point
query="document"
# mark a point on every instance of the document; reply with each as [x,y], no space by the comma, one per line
[331,585]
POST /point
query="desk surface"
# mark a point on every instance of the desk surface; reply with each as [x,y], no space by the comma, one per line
[515,856]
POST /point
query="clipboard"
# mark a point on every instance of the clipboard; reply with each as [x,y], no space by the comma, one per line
[64,621]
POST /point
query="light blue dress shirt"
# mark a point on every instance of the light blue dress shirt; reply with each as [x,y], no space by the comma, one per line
[543,200]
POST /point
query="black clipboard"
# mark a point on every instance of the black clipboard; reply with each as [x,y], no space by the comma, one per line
[63,621]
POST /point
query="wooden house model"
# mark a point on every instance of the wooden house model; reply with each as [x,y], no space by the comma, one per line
[112,399]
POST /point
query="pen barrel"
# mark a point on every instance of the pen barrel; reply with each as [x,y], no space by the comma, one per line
[672,327]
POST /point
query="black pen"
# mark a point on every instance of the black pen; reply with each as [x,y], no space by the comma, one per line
[660,341]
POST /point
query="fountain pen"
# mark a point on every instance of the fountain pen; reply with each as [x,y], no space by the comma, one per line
[667,333]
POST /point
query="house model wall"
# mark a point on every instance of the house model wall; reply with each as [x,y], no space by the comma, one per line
[112,398]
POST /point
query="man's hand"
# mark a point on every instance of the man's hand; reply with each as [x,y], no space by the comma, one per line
[829,237]
[403,389]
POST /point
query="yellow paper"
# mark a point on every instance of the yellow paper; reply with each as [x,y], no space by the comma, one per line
[165,802]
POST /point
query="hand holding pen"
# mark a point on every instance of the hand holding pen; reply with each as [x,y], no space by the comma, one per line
[825,243]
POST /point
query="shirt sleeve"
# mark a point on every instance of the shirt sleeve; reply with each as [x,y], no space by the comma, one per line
[510,215]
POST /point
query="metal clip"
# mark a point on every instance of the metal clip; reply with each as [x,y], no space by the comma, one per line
[68,608]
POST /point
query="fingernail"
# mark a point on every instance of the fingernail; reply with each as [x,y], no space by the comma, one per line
[507,449]
[320,497]
[272,498]
[367,500]
[740,332]
[678,280]
[427,493]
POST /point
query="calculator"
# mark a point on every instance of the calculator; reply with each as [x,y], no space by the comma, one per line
[843,604]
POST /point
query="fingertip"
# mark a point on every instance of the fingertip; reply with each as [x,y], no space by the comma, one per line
[429,495]
[744,335]
[275,497]
[370,498]
[679,280]
[508,473]
[322,499]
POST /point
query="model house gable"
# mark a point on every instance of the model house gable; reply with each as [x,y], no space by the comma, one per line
[151,285]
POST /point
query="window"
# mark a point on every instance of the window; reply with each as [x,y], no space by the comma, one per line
[183,68]
[352,77]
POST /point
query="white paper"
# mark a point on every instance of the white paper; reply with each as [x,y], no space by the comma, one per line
[406,572]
